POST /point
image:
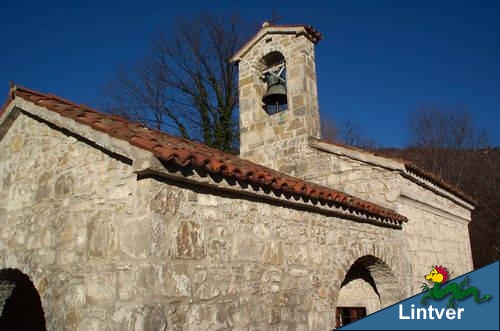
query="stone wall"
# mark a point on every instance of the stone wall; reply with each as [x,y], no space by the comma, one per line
[253,265]
[62,207]
[437,233]
[110,251]
[367,181]
[437,227]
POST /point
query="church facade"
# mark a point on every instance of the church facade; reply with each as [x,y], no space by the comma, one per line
[120,227]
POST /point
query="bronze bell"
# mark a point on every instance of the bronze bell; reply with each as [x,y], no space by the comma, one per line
[276,92]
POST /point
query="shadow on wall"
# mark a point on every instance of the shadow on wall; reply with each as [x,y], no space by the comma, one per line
[22,307]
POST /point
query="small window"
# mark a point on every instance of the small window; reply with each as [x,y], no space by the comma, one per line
[346,315]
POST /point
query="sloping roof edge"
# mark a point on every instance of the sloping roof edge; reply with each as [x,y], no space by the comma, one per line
[298,29]
[413,168]
[184,153]
[393,163]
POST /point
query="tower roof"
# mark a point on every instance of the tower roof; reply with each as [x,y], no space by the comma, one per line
[306,30]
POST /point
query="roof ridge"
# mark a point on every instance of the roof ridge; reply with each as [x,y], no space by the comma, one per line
[184,152]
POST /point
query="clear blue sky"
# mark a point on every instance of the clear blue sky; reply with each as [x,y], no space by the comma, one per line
[379,60]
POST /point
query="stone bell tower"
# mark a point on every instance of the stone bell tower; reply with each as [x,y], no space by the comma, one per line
[278,95]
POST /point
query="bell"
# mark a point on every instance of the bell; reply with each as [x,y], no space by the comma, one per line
[276,92]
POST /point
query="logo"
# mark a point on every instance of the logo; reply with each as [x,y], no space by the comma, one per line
[439,276]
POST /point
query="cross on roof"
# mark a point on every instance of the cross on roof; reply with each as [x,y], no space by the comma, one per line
[274,18]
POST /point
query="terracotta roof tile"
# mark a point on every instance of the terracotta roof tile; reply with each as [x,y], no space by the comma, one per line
[183,152]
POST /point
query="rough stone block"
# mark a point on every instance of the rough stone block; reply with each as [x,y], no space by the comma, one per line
[16,143]
[273,253]
[176,281]
[189,241]
[101,235]
[246,248]
[64,185]
[101,288]
[140,281]
[135,237]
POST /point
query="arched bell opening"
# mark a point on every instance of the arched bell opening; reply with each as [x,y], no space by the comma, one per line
[368,286]
[20,304]
[274,75]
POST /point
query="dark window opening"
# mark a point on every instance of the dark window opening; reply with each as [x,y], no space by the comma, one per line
[22,307]
[346,315]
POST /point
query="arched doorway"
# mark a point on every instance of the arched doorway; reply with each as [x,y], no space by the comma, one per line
[368,286]
[20,304]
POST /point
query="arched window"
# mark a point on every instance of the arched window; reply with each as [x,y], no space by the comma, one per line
[274,75]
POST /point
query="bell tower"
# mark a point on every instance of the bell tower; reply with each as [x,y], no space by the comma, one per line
[278,95]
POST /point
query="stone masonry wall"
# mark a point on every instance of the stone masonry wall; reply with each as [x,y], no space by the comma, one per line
[63,207]
[437,228]
[360,179]
[107,251]
[252,265]
[436,233]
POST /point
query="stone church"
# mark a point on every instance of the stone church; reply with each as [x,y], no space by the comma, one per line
[109,225]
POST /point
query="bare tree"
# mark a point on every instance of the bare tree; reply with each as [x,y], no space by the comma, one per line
[345,131]
[443,139]
[447,142]
[329,131]
[185,84]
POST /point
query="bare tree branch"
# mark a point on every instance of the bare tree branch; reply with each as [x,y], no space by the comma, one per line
[185,84]
[345,131]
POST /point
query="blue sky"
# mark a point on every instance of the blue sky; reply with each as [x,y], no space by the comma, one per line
[379,60]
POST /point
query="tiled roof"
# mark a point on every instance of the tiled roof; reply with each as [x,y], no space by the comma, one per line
[311,31]
[185,153]
[414,168]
